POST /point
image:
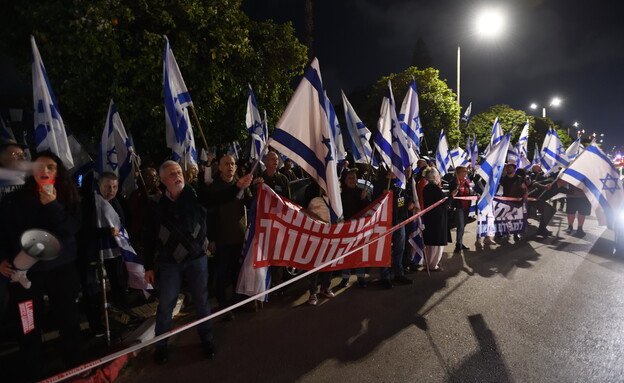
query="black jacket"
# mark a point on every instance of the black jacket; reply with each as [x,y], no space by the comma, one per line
[436,231]
[22,210]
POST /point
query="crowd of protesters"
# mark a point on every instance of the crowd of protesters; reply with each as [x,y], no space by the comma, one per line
[177,219]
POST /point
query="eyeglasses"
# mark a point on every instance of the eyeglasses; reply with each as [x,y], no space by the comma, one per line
[17,154]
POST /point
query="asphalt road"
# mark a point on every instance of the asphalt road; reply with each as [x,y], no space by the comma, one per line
[538,311]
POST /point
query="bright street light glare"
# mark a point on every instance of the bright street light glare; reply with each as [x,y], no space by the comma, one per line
[533,106]
[555,102]
[576,124]
[490,23]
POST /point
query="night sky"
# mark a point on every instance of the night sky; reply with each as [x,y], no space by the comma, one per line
[566,48]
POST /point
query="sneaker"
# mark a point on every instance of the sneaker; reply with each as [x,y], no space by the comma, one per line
[457,250]
[517,237]
[386,284]
[402,280]
[478,245]
[327,293]
[569,230]
[209,350]
[489,241]
[344,283]
[161,356]
[580,233]
[464,247]
[313,300]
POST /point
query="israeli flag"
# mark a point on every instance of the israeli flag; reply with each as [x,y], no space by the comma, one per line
[179,133]
[234,149]
[304,135]
[5,130]
[390,139]
[466,116]
[545,144]
[443,155]
[490,171]
[50,132]
[593,172]
[116,151]
[254,126]
[409,118]
[459,157]
[475,152]
[497,135]
[522,147]
[359,135]
[574,149]
[554,157]
[107,217]
[340,154]
[537,157]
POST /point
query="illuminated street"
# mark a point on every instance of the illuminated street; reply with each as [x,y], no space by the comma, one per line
[547,310]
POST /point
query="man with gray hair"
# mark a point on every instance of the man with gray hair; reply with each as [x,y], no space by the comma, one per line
[175,236]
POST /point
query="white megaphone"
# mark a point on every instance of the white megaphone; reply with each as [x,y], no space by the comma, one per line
[37,245]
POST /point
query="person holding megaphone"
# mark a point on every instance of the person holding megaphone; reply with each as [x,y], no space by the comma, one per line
[48,201]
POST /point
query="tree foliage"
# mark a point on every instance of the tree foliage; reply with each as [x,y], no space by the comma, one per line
[511,119]
[102,49]
[438,109]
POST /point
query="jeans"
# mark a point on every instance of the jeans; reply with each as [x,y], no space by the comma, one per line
[170,276]
[398,247]
[461,216]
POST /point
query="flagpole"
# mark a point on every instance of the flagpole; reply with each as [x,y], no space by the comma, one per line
[201,132]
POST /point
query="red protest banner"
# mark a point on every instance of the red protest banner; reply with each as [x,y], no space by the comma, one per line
[287,236]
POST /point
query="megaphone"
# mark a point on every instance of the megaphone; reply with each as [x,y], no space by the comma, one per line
[37,245]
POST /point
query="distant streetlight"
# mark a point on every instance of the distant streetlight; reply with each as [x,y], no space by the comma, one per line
[554,102]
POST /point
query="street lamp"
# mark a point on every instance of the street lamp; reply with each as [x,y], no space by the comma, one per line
[554,102]
[489,23]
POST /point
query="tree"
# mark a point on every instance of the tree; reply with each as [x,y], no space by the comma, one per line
[438,109]
[103,49]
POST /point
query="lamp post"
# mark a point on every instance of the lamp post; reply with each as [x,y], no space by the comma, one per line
[555,102]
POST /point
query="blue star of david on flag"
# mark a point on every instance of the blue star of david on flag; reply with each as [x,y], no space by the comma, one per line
[608,178]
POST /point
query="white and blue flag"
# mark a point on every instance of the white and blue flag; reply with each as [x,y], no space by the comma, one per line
[116,151]
[359,135]
[443,155]
[593,172]
[107,217]
[554,155]
[234,149]
[179,133]
[254,125]
[490,171]
[475,152]
[522,148]
[497,135]
[409,118]
[574,149]
[50,133]
[303,134]
[340,154]
[459,157]
[537,157]
[390,139]
[466,116]
[5,130]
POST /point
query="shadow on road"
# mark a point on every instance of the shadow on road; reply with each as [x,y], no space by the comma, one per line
[485,365]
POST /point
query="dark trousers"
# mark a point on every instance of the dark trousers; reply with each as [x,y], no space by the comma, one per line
[548,211]
[227,267]
[62,285]
[323,276]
